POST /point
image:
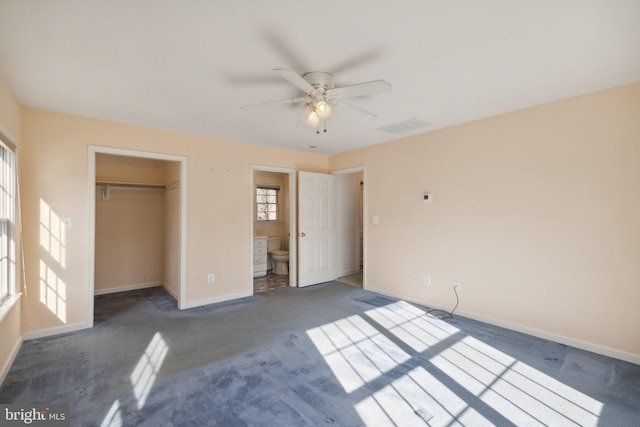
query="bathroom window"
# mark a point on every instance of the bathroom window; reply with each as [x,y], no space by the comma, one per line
[267,203]
[7,214]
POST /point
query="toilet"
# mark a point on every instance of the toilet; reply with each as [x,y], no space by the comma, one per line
[278,259]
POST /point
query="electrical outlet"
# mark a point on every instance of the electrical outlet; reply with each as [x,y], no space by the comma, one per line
[211,278]
[456,285]
[427,280]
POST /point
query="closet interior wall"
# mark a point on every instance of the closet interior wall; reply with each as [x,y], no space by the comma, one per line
[137,225]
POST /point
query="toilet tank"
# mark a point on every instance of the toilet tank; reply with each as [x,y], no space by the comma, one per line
[273,244]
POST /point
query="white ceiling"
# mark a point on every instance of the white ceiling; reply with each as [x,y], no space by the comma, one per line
[189,66]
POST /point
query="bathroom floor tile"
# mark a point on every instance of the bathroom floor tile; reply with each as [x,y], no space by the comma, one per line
[270,282]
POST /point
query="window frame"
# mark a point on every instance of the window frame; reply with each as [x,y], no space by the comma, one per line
[276,204]
[8,207]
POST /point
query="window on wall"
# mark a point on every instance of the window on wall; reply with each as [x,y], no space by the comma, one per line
[7,219]
[267,203]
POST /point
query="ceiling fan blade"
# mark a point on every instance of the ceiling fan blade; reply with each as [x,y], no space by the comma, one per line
[340,106]
[361,89]
[295,79]
[282,101]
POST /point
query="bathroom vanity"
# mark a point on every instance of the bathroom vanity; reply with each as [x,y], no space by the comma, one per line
[259,256]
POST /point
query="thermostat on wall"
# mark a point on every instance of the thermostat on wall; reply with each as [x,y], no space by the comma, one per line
[426,197]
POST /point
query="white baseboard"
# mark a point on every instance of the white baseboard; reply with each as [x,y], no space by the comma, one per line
[127,288]
[170,291]
[42,333]
[9,362]
[207,301]
[348,273]
[584,345]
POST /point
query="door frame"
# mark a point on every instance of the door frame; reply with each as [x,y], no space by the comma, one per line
[293,219]
[365,223]
[93,150]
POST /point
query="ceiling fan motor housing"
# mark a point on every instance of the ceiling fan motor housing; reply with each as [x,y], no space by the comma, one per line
[320,80]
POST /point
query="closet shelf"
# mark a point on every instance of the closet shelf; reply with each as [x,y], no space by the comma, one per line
[129,184]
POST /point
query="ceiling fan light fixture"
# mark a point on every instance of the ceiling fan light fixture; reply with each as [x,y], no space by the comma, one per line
[322,109]
[312,119]
[308,116]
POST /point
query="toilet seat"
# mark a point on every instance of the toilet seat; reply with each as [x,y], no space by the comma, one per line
[281,262]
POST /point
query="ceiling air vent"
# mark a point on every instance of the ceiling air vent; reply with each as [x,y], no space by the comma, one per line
[405,126]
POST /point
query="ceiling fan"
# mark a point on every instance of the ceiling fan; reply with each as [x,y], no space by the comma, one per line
[321,98]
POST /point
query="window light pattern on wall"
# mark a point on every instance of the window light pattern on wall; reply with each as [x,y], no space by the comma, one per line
[53,262]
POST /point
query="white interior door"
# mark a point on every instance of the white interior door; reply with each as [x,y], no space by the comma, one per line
[316,245]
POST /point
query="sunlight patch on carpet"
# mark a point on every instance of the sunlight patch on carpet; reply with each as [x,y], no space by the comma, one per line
[518,392]
[355,351]
[365,359]
[146,371]
[114,416]
[417,398]
[410,324]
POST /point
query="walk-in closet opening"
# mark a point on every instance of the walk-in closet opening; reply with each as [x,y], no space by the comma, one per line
[137,224]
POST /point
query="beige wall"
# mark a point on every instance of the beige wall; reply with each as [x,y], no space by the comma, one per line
[218,208]
[534,212]
[137,231]
[129,239]
[129,226]
[111,167]
[10,314]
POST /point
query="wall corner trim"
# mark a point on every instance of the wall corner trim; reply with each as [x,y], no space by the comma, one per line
[42,333]
[207,301]
[7,365]
[125,288]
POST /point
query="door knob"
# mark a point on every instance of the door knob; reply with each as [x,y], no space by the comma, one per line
[301,234]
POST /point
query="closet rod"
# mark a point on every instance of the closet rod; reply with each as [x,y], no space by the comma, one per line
[129,184]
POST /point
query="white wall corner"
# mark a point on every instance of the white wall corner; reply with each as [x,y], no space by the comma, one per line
[207,301]
[126,288]
[7,365]
[43,333]
[170,291]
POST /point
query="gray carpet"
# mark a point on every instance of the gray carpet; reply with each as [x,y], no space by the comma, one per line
[329,354]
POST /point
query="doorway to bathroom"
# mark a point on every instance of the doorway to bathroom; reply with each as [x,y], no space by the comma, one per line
[273,227]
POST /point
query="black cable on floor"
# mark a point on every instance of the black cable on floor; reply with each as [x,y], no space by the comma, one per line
[447,314]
